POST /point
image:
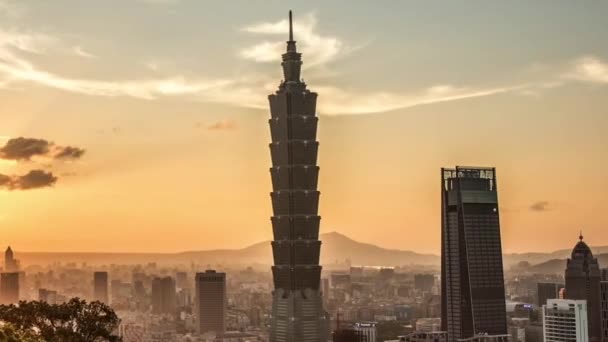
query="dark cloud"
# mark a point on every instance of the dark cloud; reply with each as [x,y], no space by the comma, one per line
[540,206]
[69,152]
[222,125]
[32,180]
[23,149]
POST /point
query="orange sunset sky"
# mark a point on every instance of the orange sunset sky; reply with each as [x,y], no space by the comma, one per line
[168,100]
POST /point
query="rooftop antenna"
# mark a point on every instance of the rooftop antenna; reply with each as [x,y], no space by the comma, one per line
[290,27]
[580,237]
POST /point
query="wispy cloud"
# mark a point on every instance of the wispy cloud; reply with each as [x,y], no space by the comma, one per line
[222,125]
[79,51]
[589,69]
[250,89]
[349,102]
[319,49]
[540,206]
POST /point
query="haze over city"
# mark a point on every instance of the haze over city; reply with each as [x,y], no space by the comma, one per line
[151,122]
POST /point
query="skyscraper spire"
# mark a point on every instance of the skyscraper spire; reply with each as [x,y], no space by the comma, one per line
[290,27]
[580,236]
[292,60]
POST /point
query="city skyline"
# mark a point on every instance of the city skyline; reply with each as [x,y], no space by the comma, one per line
[172,119]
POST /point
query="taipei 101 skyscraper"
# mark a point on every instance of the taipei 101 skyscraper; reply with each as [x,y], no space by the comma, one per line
[297,309]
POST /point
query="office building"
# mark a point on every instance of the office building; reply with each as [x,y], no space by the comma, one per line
[181,280]
[367,329]
[583,278]
[10,263]
[9,287]
[164,300]
[348,335]
[472,282]
[210,302]
[534,332]
[297,307]
[424,336]
[548,291]
[100,287]
[428,324]
[604,308]
[47,296]
[487,338]
[424,282]
[565,320]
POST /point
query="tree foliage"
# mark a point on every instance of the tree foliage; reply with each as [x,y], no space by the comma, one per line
[8,333]
[72,321]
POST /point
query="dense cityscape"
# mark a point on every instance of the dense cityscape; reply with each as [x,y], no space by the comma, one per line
[469,296]
[307,283]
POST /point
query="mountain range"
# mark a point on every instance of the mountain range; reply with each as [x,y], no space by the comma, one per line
[337,249]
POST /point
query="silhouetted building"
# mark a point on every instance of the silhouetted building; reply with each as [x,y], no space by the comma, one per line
[181,280]
[424,336]
[604,308]
[10,263]
[47,296]
[565,320]
[164,299]
[583,283]
[486,338]
[100,287]
[534,333]
[424,282]
[297,308]
[348,335]
[429,324]
[9,287]
[605,274]
[386,273]
[210,302]
[472,281]
[548,291]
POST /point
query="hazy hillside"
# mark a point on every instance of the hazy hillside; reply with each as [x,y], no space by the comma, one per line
[559,265]
[336,247]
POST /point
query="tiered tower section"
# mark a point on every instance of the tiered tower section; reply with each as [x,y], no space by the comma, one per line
[297,311]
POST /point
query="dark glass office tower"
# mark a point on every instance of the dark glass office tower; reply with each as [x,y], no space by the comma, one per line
[472,282]
[297,309]
[548,291]
[583,278]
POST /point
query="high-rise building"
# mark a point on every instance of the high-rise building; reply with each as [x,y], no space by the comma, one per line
[367,329]
[548,291]
[565,320]
[100,287]
[424,282]
[9,287]
[10,263]
[424,336]
[604,308]
[164,300]
[486,338]
[605,274]
[210,302]
[348,335]
[47,296]
[181,280]
[297,307]
[472,281]
[583,283]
